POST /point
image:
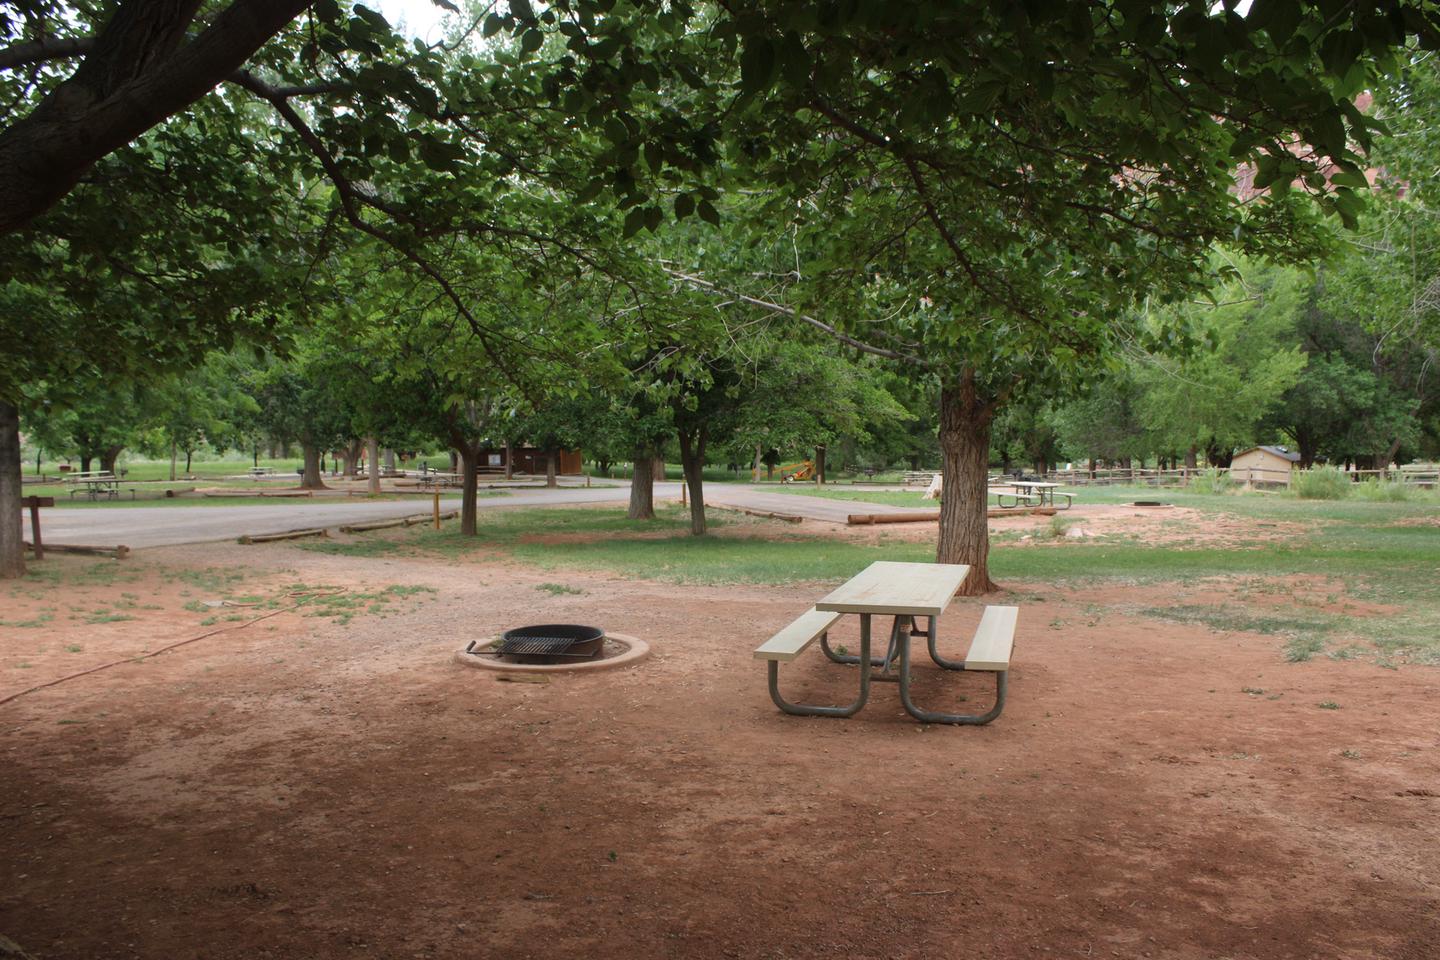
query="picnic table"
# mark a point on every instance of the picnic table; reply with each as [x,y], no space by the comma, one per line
[94,484]
[903,591]
[1036,493]
[437,479]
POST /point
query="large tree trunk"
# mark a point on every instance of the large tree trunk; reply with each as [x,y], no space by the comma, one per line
[352,457]
[965,450]
[311,479]
[657,469]
[372,454]
[108,456]
[389,460]
[470,487]
[1192,459]
[509,460]
[642,490]
[85,463]
[174,455]
[12,548]
[550,456]
[692,460]
[755,471]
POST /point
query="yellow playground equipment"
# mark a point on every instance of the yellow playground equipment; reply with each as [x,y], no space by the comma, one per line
[804,470]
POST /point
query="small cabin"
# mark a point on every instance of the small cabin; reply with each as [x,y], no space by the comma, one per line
[1263,465]
[532,461]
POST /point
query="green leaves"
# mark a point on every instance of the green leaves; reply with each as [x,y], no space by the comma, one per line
[758,65]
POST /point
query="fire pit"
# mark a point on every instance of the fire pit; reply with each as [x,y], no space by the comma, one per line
[550,643]
[552,648]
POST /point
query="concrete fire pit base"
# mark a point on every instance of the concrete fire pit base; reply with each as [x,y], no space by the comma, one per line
[620,650]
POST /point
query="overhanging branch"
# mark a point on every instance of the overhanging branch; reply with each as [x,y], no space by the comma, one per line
[818,324]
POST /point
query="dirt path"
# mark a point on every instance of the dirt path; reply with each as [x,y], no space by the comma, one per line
[302,789]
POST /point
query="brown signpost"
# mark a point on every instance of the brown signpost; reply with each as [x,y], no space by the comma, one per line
[35,503]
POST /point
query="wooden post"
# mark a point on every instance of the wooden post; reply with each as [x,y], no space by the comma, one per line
[35,503]
[682,491]
[437,507]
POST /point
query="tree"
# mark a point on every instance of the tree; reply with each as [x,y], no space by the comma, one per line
[985,193]
[1216,397]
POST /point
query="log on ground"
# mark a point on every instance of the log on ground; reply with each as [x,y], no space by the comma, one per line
[118,552]
[286,535]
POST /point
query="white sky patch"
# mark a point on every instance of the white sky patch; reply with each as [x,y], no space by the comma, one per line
[413,18]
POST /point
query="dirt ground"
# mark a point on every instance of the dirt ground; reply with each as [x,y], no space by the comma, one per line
[308,787]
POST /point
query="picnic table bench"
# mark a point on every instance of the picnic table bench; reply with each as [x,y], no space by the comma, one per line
[903,591]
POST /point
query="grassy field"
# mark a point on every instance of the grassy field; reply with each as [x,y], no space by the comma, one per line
[1384,553]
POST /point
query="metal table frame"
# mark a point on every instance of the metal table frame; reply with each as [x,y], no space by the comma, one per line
[902,629]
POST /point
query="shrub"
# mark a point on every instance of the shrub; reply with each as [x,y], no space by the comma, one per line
[1320,483]
[1376,489]
[1212,481]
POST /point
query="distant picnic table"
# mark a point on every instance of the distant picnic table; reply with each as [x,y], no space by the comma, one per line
[94,484]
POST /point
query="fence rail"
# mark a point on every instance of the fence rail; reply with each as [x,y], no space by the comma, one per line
[1422,475]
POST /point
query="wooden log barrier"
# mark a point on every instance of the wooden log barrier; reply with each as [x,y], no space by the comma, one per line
[286,535]
[930,516]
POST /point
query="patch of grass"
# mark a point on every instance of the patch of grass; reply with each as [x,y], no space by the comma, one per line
[345,605]
[557,589]
[1320,483]
[213,579]
[1300,649]
[1238,619]
[1383,491]
[365,547]
[1211,483]
[108,618]
[1054,530]
[36,621]
[73,647]
[1328,705]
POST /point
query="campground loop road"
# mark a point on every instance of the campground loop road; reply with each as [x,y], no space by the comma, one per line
[159,526]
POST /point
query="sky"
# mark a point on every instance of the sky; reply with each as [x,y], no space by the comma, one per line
[421,18]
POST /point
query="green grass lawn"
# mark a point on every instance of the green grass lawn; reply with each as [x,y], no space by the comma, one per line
[1362,546]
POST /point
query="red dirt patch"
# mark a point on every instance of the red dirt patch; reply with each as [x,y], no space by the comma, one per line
[327,791]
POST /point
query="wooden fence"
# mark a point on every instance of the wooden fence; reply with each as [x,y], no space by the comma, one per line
[1422,475]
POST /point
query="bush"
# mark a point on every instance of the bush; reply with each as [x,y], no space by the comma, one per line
[1212,481]
[1387,490]
[1320,483]
[1054,530]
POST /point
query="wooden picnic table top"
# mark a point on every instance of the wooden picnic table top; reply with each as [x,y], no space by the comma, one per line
[891,587]
[1037,484]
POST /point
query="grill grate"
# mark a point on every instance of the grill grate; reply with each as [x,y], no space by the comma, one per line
[550,641]
[536,645]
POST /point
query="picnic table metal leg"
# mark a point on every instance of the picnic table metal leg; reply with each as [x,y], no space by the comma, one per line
[884,663]
[931,716]
[805,710]
[945,662]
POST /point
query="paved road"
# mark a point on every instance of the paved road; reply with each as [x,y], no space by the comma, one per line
[161,526]
[811,508]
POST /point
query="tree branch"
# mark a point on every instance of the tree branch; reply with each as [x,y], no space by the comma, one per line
[792,312]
